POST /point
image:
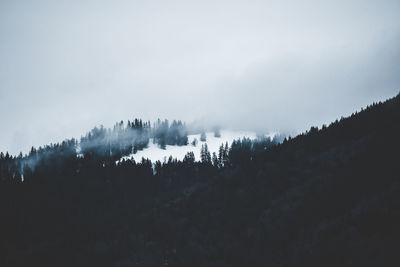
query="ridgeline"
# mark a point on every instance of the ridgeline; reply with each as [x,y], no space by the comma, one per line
[327,197]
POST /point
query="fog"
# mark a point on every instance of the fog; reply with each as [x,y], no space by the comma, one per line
[67,66]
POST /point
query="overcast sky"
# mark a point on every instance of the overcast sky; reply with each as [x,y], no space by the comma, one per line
[66,66]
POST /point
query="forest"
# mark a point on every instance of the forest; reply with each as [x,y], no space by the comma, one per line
[327,197]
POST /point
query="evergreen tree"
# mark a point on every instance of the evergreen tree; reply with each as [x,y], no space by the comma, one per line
[194,142]
[189,158]
[203,137]
[205,154]
[221,157]
[202,154]
[226,155]
[162,143]
[215,160]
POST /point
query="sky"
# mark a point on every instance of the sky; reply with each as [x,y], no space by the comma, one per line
[67,66]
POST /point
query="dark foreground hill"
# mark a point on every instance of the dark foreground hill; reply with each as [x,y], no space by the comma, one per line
[329,197]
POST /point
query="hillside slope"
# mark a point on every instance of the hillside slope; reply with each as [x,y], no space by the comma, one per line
[329,197]
[326,198]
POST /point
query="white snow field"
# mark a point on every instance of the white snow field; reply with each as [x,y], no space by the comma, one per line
[153,152]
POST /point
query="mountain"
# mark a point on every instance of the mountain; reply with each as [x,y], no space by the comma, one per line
[327,197]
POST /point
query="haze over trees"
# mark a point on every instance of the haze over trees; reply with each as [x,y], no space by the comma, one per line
[124,140]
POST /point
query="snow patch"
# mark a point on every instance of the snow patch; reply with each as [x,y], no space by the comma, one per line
[153,152]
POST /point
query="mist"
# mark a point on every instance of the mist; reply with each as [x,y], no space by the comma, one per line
[68,66]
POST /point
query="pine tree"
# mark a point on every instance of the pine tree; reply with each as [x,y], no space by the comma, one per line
[221,153]
[202,154]
[215,160]
[189,158]
[203,137]
[205,154]
[194,142]
[226,155]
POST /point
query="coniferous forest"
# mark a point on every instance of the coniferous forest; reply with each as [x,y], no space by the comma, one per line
[327,197]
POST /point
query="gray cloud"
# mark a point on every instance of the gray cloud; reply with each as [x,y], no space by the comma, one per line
[265,65]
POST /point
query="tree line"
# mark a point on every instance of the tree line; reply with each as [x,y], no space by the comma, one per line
[327,197]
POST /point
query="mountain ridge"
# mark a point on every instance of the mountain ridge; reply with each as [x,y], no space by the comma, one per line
[328,197]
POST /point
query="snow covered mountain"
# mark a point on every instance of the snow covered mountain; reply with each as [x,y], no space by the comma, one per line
[154,152]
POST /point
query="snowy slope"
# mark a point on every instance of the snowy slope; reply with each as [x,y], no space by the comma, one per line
[154,152]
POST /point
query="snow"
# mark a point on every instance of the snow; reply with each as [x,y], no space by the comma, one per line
[153,152]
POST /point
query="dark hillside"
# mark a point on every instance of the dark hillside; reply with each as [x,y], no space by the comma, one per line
[328,197]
